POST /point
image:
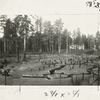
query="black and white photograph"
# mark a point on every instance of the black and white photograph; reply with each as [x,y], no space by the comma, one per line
[50,42]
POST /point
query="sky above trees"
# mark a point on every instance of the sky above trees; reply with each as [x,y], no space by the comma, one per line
[74,13]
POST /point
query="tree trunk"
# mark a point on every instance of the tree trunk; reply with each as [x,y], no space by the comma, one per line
[17,50]
[52,49]
[59,44]
[24,58]
[67,45]
[4,47]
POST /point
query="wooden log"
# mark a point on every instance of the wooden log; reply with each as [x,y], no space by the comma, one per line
[82,76]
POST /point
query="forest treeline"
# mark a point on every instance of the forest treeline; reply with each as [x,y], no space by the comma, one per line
[25,33]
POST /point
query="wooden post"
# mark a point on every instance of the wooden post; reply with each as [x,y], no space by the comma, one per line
[98,76]
[60,79]
[72,80]
[5,74]
[93,76]
[79,64]
[82,76]
[5,79]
